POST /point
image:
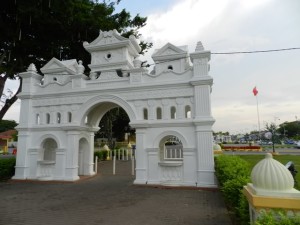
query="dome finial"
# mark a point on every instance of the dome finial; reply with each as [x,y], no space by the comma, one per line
[199,47]
[269,156]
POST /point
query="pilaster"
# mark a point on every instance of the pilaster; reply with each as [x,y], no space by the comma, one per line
[205,160]
[72,155]
[202,101]
[21,168]
[141,157]
[91,165]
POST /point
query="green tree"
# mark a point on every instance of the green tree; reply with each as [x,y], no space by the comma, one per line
[290,129]
[6,125]
[271,128]
[34,31]
[114,124]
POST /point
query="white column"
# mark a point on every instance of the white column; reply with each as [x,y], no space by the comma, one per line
[152,110]
[72,155]
[201,66]
[180,108]
[21,168]
[202,101]
[91,155]
[205,160]
[140,156]
[166,109]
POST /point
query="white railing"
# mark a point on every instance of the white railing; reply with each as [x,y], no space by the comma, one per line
[45,169]
[121,154]
[173,152]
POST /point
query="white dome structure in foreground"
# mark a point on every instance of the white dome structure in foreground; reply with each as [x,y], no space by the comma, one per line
[272,187]
[270,177]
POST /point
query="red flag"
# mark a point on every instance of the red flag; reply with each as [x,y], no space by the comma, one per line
[255,91]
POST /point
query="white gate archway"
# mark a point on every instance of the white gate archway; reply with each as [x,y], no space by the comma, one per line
[173,100]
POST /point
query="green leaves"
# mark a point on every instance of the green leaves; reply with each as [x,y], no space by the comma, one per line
[233,173]
[34,31]
[7,168]
[277,217]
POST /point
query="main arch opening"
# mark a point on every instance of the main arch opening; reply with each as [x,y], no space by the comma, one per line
[109,124]
[115,130]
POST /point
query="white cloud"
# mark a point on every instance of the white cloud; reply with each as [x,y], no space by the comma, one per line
[182,21]
[239,25]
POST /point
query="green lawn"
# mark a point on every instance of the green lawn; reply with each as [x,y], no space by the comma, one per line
[284,159]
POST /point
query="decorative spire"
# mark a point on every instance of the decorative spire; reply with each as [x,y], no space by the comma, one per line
[199,47]
[31,68]
[80,68]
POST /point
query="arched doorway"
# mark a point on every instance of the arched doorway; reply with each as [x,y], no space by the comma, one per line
[49,147]
[91,117]
[47,162]
[171,160]
[83,157]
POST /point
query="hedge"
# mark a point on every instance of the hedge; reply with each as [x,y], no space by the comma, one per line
[102,155]
[233,173]
[229,167]
[7,168]
[277,217]
[243,148]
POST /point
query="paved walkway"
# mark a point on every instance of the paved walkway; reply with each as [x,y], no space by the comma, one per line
[108,200]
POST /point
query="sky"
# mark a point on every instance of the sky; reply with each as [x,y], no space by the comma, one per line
[230,26]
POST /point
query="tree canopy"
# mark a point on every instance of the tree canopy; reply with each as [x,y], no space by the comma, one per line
[114,123]
[290,129]
[6,125]
[34,31]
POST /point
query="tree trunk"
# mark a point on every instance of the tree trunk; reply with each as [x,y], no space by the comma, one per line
[2,83]
[9,102]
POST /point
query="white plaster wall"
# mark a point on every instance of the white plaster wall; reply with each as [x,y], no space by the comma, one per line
[82,96]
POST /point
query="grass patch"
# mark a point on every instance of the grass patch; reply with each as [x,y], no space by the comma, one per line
[284,159]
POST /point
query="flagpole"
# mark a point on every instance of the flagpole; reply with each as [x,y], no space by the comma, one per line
[258,121]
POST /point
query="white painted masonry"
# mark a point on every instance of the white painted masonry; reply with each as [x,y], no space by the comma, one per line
[61,110]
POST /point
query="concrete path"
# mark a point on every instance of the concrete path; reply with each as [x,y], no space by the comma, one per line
[108,200]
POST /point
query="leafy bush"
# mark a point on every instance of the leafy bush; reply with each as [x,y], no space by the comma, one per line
[233,173]
[102,155]
[7,168]
[232,189]
[277,217]
[242,210]
[230,167]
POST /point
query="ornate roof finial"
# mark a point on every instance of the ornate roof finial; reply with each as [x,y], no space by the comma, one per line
[199,47]
[80,68]
[31,68]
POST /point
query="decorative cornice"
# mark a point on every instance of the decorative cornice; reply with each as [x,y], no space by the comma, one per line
[202,80]
[201,54]
[162,123]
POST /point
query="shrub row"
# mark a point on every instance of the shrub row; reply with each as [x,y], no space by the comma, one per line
[7,168]
[233,173]
[102,155]
[241,147]
[277,217]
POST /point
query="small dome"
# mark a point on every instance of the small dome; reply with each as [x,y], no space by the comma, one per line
[217,147]
[269,174]
[105,147]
